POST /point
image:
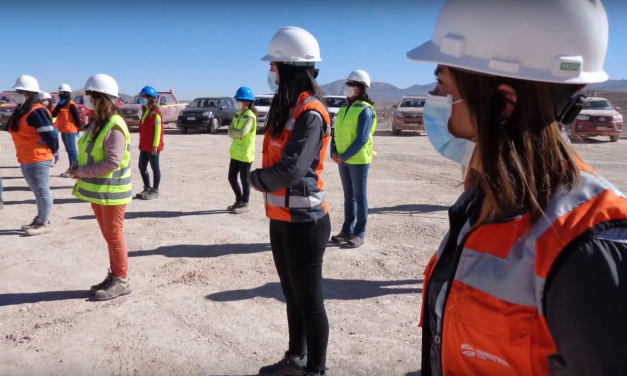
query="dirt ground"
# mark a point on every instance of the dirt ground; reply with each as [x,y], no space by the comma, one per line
[206,299]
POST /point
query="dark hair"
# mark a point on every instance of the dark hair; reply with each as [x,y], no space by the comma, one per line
[103,110]
[363,93]
[523,158]
[14,120]
[251,106]
[293,81]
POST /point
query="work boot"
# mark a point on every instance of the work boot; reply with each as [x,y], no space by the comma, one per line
[143,193]
[355,241]
[39,228]
[102,284]
[235,205]
[287,366]
[151,194]
[341,237]
[31,225]
[113,288]
[66,174]
[241,209]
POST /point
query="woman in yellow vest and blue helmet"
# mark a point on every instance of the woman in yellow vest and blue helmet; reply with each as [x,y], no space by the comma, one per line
[103,174]
[531,278]
[351,149]
[243,130]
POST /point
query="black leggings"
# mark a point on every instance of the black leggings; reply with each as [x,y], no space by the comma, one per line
[241,168]
[298,249]
[144,158]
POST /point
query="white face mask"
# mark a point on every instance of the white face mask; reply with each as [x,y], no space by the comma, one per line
[19,98]
[46,103]
[272,82]
[349,91]
[238,106]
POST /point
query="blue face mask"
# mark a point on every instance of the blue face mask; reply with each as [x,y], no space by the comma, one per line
[143,101]
[436,115]
[272,82]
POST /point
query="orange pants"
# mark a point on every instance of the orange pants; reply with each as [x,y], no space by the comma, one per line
[111,221]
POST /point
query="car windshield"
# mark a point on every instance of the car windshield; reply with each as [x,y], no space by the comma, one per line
[335,102]
[204,103]
[412,102]
[263,102]
[597,105]
[135,100]
[82,99]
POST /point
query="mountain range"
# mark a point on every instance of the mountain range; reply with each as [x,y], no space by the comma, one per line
[384,92]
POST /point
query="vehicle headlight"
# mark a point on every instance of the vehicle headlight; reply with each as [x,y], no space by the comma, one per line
[209,114]
[399,114]
[583,117]
[617,118]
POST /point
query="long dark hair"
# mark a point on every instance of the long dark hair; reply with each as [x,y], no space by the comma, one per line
[363,94]
[14,120]
[523,158]
[293,81]
[102,112]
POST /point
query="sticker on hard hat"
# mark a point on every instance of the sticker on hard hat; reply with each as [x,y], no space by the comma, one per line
[570,66]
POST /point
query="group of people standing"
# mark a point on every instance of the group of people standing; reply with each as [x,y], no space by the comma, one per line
[504,293]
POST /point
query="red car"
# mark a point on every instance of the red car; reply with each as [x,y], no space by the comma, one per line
[597,118]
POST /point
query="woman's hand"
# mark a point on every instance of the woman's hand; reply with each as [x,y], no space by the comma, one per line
[154,150]
[336,158]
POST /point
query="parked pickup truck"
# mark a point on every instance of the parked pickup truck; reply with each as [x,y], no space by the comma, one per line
[597,118]
[334,103]
[7,106]
[207,113]
[409,114]
[263,103]
[170,109]
[83,104]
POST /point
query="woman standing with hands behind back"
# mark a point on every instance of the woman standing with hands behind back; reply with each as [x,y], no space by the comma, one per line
[103,174]
[294,148]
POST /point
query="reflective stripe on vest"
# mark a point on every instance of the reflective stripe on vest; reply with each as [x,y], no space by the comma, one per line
[114,188]
[494,319]
[244,149]
[295,202]
[346,126]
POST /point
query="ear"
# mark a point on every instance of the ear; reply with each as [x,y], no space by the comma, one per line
[511,97]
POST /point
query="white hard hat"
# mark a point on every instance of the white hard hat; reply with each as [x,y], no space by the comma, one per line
[102,83]
[65,87]
[359,76]
[561,41]
[43,95]
[293,44]
[27,83]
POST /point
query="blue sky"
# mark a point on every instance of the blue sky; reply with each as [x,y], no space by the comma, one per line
[213,47]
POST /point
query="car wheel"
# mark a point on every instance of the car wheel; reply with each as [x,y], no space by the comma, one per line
[183,130]
[395,131]
[614,138]
[214,126]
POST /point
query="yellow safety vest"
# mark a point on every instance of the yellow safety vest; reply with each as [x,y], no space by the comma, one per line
[243,149]
[114,188]
[346,125]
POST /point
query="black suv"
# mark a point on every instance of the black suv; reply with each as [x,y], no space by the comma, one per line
[207,113]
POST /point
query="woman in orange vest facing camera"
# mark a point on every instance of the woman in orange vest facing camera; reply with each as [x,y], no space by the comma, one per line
[68,123]
[294,147]
[531,278]
[35,142]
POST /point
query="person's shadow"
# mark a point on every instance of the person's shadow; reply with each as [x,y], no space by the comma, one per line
[198,251]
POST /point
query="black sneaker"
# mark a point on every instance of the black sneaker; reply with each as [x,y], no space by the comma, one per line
[143,193]
[355,241]
[151,194]
[241,209]
[235,205]
[342,237]
[287,366]
[33,224]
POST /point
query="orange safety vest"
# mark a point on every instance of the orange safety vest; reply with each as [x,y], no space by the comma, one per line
[281,205]
[29,145]
[494,323]
[65,120]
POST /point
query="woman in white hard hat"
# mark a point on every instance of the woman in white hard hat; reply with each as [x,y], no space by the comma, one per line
[35,143]
[46,99]
[68,123]
[531,278]
[295,144]
[103,174]
[351,149]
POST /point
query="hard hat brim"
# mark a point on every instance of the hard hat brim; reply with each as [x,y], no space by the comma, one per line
[26,89]
[272,58]
[361,82]
[429,52]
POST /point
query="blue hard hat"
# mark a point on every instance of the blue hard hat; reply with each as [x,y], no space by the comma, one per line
[149,90]
[245,94]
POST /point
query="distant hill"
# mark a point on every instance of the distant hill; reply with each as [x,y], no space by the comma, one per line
[384,92]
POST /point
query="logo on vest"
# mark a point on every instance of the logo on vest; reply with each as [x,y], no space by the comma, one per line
[471,352]
[275,144]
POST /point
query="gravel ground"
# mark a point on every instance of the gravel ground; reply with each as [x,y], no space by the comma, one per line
[206,298]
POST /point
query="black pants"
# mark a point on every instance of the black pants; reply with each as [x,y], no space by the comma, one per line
[298,249]
[144,158]
[241,168]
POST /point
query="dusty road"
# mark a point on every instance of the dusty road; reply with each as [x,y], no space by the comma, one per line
[206,299]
